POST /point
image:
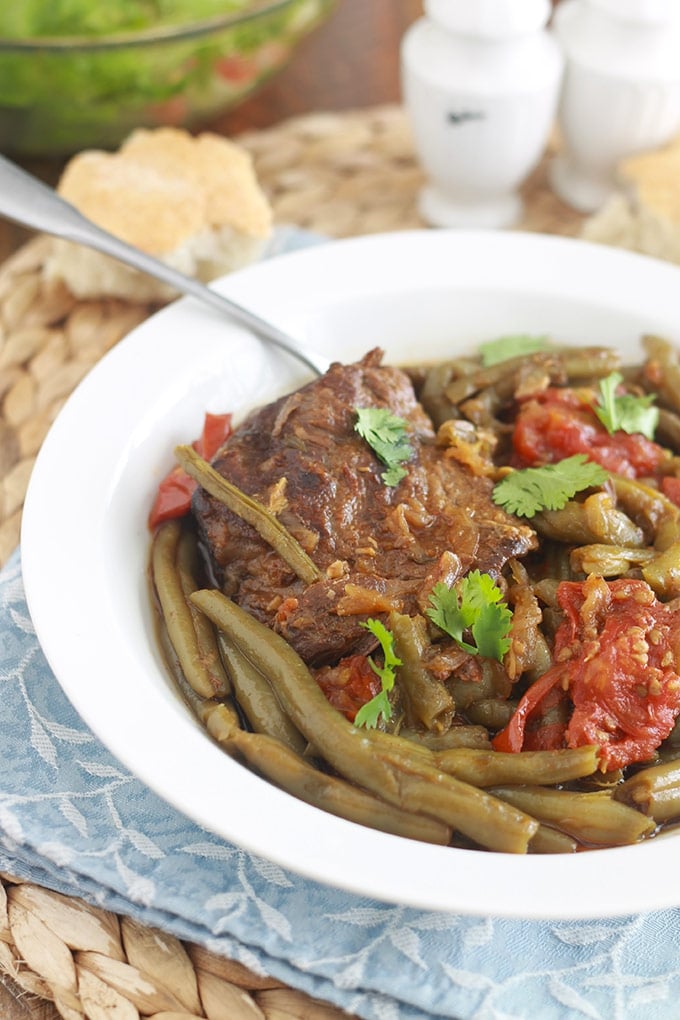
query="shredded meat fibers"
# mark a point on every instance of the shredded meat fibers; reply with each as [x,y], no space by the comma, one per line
[302,456]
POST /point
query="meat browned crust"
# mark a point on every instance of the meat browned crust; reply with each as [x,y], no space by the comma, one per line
[379,547]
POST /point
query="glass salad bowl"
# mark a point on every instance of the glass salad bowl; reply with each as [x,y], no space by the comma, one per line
[86,77]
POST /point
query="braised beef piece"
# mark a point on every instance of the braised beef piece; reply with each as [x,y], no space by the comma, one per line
[379,547]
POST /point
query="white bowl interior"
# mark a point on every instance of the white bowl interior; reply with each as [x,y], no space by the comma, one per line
[421,296]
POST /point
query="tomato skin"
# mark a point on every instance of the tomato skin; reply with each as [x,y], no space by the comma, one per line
[626,693]
[216,431]
[558,423]
[173,496]
[514,737]
[670,487]
[349,685]
[236,69]
[616,655]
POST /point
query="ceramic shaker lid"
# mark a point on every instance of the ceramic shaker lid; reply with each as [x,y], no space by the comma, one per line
[493,19]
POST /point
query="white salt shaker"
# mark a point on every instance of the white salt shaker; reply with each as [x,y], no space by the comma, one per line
[480,80]
[621,90]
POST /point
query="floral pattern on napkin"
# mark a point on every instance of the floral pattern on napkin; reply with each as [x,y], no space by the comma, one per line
[73,819]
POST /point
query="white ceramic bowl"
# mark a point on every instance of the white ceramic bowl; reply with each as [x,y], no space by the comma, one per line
[421,295]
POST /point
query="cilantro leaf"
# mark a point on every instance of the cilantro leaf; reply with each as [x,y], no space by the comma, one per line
[369,714]
[474,604]
[386,434]
[625,412]
[512,346]
[447,613]
[550,487]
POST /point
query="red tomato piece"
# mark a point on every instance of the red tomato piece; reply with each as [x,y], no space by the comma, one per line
[349,685]
[615,655]
[216,430]
[514,736]
[173,497]
[670,487]
[237,69]
[558,423]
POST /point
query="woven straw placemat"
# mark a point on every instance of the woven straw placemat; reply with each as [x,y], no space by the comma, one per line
[341,174]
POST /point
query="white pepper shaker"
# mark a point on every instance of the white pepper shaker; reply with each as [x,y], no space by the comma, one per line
[621,91]
[480,80]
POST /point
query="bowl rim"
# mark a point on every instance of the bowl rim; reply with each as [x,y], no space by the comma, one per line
[146,37]
[305,291]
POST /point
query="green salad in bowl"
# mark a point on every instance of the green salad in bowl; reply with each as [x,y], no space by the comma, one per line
[75,75]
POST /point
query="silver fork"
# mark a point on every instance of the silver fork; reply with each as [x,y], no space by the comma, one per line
[31,203]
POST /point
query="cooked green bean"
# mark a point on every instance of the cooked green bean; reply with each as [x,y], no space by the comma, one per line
[657,514]
[551,841]
[427,701]
[608,560]
[371,759]
[456,736]
[568,525]
[529,651]
[654,790]
[546,591]
[257,699]
[668,429]
[433,392]
[484,393]
[498,768]
[667,369]
[206,638]
[225,717]
[662,572]
[492,682]
[287,770]
[527,375]
[434,776]
[176,612]
[609,523]
[253,512]
[590,817]
[594,520]
[583,364]
[491,713]
[561,364]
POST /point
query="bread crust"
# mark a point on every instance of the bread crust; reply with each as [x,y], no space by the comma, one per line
[175,196]
[644,215]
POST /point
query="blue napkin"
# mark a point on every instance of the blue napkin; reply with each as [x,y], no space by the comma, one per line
[74,820]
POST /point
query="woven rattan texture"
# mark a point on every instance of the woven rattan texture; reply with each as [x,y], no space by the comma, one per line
[66,959]
[341,175]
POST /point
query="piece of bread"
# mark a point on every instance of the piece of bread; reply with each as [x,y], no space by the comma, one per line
[644,216]
[193,202]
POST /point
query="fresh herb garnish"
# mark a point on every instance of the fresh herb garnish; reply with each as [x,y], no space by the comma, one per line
[526,491]
[514,346]
[474,604]
[369,714]
[386,434]
[625,412]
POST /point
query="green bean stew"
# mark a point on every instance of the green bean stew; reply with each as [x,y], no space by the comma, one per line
[523,694]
